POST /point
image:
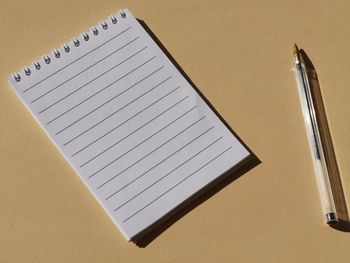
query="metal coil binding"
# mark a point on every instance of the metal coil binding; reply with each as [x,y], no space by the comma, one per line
[86,36]
[37,65]
[113,19]
[66,47]
[76,42]
[47,59]
[56,53]
[27,71]
[104,25]
[94,31]
[17,77]
[122,13]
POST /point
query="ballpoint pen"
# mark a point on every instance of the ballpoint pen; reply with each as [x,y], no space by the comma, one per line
[317,149]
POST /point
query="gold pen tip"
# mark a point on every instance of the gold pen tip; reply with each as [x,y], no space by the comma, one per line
[295,50]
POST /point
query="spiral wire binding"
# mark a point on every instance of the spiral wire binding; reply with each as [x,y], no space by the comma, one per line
[37,65]
[57,53]
[47,59]
[113,19]
[85,36]
[76,42]
[27,71]
[66,48]
[104,25]
[94,31]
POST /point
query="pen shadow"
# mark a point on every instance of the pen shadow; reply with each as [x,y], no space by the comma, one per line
[151,233]
[333,171]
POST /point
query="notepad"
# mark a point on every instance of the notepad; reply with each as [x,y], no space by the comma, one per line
[136,132]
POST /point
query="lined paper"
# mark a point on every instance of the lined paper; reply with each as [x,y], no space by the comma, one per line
[139,136]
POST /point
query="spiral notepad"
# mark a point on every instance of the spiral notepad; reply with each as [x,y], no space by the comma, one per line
[132,127]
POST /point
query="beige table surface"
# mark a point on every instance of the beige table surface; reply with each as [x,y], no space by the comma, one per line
[239,54]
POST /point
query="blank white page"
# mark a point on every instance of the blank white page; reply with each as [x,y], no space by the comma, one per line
[136,132]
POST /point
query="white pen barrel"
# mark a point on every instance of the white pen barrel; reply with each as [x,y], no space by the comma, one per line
[314,137]
[324,188]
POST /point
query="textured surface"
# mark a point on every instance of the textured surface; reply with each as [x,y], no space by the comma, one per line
[239,54]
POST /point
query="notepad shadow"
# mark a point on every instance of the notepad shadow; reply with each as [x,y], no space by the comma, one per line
[159,227]
[334,175]
[144,239]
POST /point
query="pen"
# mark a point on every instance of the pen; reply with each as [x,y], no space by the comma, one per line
[318,156]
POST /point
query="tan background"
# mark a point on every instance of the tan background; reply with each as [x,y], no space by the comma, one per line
[239,54]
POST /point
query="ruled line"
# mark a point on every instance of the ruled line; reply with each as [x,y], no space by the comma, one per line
[154,134]
[69,79]
[69,94]
[126,105]
[102,44]
[115,81]
[133,148]
[174,186]
[131,118]
[131,182]
[104,73]
[164,176]
[93,95]
[121,123]
[154,150]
